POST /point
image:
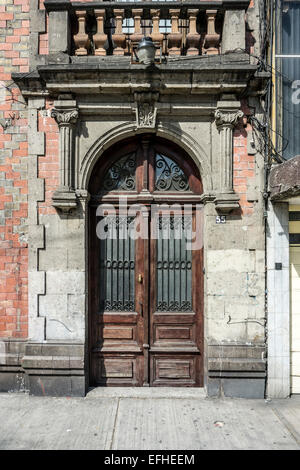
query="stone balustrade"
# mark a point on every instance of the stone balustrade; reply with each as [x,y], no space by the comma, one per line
[175,31]
[178,28]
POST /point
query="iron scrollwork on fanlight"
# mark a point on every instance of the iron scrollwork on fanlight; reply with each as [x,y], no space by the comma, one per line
[121,175]
[169,176]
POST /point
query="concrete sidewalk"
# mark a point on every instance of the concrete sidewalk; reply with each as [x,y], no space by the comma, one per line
[153,419]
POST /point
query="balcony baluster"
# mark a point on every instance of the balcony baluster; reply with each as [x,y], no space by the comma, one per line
[119,37]
[212,39]
[175,37]
[81,39]
[156,35]
[193,37]
[100,37]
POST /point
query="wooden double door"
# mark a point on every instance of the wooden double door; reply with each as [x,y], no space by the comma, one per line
[146,283]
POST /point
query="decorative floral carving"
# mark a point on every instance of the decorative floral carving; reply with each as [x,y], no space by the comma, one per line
[146,109]
[64,117]
[227,118]
[146,115]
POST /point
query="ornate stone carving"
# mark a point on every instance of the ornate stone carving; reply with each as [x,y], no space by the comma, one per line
[146,110]
[65,116]
[227,118]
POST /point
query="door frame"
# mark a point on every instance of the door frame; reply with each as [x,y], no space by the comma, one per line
[188,165]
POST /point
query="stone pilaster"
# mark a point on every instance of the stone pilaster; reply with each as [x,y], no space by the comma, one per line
[66,114]
[226,116]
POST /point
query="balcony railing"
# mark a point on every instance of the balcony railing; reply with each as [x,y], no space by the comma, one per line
[116,31]
[176,27]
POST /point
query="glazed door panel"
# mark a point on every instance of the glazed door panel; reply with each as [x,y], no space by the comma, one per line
[175,328]
[117,326]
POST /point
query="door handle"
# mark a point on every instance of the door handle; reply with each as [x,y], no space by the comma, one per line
[141,305]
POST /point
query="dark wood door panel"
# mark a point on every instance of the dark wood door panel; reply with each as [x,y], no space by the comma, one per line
[173,328]
[175,370]
[118,329]
[117,369]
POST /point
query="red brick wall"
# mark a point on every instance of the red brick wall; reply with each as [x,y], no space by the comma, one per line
[243,163]
[14,33]
[49,163]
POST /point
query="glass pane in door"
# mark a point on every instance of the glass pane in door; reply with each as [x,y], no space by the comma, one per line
[117,266]
[173,265]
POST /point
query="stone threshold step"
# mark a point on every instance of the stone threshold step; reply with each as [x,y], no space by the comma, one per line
[146,392]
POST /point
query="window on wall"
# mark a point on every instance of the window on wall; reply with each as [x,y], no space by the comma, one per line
[287,64]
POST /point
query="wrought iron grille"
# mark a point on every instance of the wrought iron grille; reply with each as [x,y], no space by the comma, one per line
[117,266]
[169,176]
[173,265]
[121,175]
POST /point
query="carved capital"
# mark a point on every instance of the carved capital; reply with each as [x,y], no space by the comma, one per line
[146,109]
[227,118]
[65,117]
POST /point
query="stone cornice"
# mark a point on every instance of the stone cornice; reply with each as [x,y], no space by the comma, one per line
[182,77]
[231,73]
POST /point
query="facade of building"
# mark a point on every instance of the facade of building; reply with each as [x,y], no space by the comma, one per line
[83,123]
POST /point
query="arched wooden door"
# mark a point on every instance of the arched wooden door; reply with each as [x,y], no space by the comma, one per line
[145,284]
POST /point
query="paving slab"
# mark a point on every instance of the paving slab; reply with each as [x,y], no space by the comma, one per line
[165,419]
[56,423]
[288,411]
[191,424]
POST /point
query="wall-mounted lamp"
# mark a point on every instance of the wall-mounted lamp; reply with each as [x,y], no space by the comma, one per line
[146,51]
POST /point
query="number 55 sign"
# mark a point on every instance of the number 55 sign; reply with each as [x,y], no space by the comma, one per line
[221,219]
